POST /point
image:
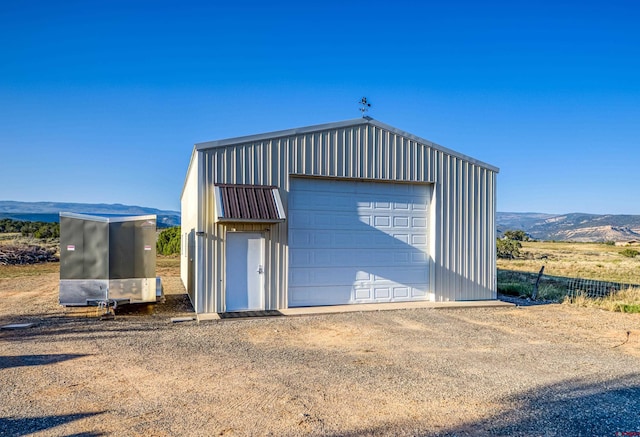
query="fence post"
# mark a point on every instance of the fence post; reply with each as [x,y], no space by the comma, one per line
[534,295]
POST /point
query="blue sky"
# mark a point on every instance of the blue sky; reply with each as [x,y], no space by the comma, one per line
[102,101]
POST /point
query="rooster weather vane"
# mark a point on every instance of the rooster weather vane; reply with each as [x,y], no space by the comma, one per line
[364,105]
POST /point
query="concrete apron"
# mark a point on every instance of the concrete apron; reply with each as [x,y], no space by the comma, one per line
[335,309]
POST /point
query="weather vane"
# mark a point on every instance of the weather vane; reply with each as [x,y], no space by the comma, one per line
[365,105]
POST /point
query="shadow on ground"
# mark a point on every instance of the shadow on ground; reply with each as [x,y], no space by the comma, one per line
[69,328]
[525,302]
[575,407]
[7,362]
[172,304]
[87,321]
[16,427]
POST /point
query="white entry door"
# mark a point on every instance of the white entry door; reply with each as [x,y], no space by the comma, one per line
[244,271]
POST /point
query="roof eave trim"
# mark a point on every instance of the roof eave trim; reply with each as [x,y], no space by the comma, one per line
[104,219]
[433,145]
[280,134]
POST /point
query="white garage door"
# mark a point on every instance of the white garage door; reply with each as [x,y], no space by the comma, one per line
[357,242]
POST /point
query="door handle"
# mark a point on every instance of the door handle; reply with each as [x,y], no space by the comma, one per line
[260,271]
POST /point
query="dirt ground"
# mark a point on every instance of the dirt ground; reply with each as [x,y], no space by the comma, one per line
[528,370]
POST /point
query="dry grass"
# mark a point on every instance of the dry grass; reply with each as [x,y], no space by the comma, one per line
[22,271]
[168,262]
[576,260]
[9,237]
[625,301]
[601,262]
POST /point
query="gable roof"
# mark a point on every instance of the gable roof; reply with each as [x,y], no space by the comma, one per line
[338,125]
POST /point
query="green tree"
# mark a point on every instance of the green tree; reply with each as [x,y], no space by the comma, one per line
[40,230]
[47,230]
[169,241]
[507,248]
[516,235]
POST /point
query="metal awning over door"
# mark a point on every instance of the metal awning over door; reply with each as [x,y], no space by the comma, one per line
[248,203]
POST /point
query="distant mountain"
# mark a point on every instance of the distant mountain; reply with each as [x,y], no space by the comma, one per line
[565,227]
[572,227]
[49,211]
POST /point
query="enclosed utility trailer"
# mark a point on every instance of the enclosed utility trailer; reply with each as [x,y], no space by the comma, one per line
[107,259]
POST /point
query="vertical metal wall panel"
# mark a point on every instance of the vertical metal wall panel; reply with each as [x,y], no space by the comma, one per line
[122,250]
[84,249]
[463,228]
[207,300]
[189,211]
[132,249]
[96,250]
[72,248]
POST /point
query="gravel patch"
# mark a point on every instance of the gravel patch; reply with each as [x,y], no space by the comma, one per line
[547,370]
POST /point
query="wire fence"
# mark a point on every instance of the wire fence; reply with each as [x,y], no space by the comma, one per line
[594,289]
[518,283]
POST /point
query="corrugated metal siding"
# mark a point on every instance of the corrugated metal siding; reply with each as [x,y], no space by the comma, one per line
[189,211]
[463,222]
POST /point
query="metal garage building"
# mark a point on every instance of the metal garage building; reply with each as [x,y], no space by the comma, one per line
[348,212]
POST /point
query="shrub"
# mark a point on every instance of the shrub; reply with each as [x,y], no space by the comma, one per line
[169,241]
[507,248]
[630,253]
[47,230]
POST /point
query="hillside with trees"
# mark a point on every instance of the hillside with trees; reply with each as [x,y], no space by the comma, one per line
[40,230]
[576,227]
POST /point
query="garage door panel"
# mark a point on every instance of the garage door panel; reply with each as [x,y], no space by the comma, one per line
[418,293]
[418,223]
[401,222]
[340,220]
[328,276]
[409,275]
[400,239]
[383,221]
[313,295]
[343,200]
[344,240]
[310,296]
[401,258]
[381,293]
[355,242]
[388,294]
[418,240]
[362,294]
[353,275]
[322,201]
[355,258]
[419,258]
[357,239]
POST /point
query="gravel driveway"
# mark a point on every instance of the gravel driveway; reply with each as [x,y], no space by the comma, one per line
[549,370]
